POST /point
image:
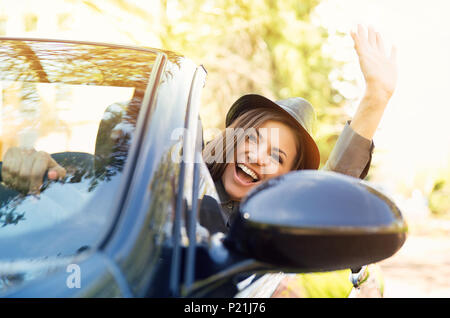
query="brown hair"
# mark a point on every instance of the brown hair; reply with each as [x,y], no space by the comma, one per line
[253,118]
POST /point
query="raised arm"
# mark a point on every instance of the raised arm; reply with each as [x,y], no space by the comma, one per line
[353,150]
[380,74]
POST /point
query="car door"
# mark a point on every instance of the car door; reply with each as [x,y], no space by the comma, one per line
[149,237]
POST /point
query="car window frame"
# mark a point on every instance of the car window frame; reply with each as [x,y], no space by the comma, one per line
[186,207]
[137,216]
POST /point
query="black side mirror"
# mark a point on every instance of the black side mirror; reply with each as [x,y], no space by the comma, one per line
[317,221]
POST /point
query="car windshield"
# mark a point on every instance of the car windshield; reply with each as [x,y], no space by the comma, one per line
[79,103]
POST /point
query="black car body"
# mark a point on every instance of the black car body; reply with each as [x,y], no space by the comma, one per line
[134,232]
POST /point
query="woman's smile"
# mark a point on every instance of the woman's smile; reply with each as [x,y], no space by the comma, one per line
[244,175]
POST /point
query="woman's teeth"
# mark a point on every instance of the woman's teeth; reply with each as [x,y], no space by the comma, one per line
[248,171]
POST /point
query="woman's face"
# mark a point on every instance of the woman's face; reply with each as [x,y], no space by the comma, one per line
[266,153]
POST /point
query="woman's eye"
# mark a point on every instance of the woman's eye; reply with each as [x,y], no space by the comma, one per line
[252,138]
[277,157]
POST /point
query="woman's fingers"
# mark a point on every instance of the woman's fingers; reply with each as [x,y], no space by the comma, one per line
[393,56]
[369,41]
[362,34]
[372,36]
[43,162]
[355,39]
[380,43]
[23,178]
[377,67]
[55,171]
[52,175]
[5,167]
[24,169]
[36,175]
[11,167]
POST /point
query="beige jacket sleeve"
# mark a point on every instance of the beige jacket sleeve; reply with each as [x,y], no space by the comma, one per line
[351,155]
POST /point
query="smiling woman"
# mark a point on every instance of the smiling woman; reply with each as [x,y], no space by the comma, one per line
[239,159]
[266,139]
[259,145]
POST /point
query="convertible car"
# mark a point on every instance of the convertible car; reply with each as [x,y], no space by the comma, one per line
[127,219]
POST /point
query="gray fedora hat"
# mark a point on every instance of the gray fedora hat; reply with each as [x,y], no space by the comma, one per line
[296,107]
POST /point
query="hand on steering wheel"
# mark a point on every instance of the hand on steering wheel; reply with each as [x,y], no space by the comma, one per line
[23,169]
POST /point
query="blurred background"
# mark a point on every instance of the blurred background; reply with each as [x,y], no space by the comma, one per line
[303,48]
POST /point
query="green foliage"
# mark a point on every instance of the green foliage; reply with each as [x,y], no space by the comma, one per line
[247,46]
[266,47]
[323,285]
[439,198]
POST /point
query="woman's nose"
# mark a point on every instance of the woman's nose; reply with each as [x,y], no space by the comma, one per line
[259,156]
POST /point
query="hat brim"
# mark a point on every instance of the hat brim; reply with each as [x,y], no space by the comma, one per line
[252,101]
